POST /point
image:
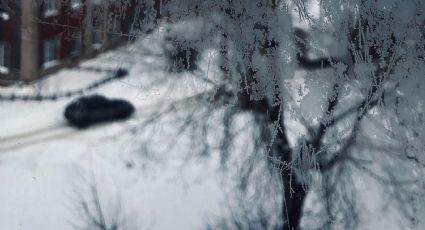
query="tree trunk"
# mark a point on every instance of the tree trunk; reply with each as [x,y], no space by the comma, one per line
[294,195]
[294,192]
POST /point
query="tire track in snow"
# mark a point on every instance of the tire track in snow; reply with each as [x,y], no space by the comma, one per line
[57,131]
[62,130]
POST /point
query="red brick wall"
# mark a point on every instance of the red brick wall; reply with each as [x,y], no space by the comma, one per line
[61,26]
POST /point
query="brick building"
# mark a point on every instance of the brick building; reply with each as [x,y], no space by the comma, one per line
[40,37]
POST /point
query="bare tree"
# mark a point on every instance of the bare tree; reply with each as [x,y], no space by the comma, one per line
[366,83]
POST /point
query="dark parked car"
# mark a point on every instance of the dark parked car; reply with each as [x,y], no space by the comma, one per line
[89,110]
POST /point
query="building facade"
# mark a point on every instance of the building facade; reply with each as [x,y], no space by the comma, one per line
[40,37]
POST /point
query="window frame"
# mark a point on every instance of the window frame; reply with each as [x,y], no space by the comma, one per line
[97,38]
[75,4]
[75,43]
[4,58]
[50,8]
[51,59]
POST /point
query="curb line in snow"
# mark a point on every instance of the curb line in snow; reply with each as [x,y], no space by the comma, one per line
[116,74]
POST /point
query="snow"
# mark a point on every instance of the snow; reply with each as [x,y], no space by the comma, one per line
[4,16]
[43,161]
[50,64]
[50,13]
[4,70]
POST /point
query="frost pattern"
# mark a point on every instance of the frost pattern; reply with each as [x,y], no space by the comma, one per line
[317,104]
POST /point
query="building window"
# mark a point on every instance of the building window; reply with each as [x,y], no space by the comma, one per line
[75,4]
[50,52]
[75,43]
[50,8]
[97,38]
[4,58]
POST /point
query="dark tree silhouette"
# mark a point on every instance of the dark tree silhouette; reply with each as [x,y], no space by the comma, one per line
[257,48]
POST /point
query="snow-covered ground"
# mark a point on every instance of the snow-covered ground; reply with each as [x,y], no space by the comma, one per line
[46,165]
